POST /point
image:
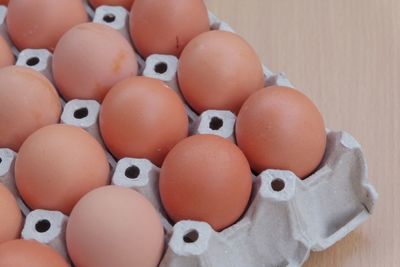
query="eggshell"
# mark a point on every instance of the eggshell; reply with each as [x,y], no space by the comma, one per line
[90,59]
[114,226]
[11,218]
[280,128]
[23,253]
[7,57]
[28,101]
[205,178]
[219,70]
[57,165]
[125,3]
[142,118]
[41,23]
[166,26]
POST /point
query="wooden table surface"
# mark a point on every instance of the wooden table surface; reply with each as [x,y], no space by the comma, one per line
[345,55]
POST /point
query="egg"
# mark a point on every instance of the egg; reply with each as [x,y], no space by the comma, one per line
[11,218]
[91,58]
[23,253]
[28,101]
[166,26]
[219,70]
[142,118]
[57,165]
[114,226]
[4,2]
[125,3]
[41,23]
[281,128]
[7,57]
[205,178]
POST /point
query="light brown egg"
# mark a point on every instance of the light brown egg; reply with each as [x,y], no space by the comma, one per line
[57,165]
[125,3]
[90,59]
[166,26]
[114,226]
[7,57]
[280,128]
[41,23]
[219,70]
[28,101]
[142,118]
[24,253]
[11,218]
[205,178]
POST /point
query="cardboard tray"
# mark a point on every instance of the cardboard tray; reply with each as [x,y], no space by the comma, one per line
[287,217]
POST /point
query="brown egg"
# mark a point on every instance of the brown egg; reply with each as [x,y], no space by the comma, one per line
[219,70]
[90,59]
[205,178]
[28,101]
[7,57]
[4,2]
[57,165]
[142,118]
[166,26]
[11,218]
[41,23]
[23,253]
[125,3]
[114,226]
[280,128]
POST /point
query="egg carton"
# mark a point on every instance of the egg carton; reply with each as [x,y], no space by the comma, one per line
[287,217]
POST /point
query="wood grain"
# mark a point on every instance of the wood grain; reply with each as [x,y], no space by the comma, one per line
[345,55]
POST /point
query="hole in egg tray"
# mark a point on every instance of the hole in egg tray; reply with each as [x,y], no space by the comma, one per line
[81,113]
[278,185]
[42,226]
[191,237]
[109,18]
[161,67]
[216,123]
[132,172]
[33,61]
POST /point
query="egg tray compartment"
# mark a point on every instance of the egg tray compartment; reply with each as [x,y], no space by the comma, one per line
[286,218]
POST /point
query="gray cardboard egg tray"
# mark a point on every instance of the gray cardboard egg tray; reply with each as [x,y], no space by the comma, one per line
[287,217]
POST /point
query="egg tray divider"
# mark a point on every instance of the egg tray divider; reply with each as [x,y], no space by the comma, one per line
[287,217]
